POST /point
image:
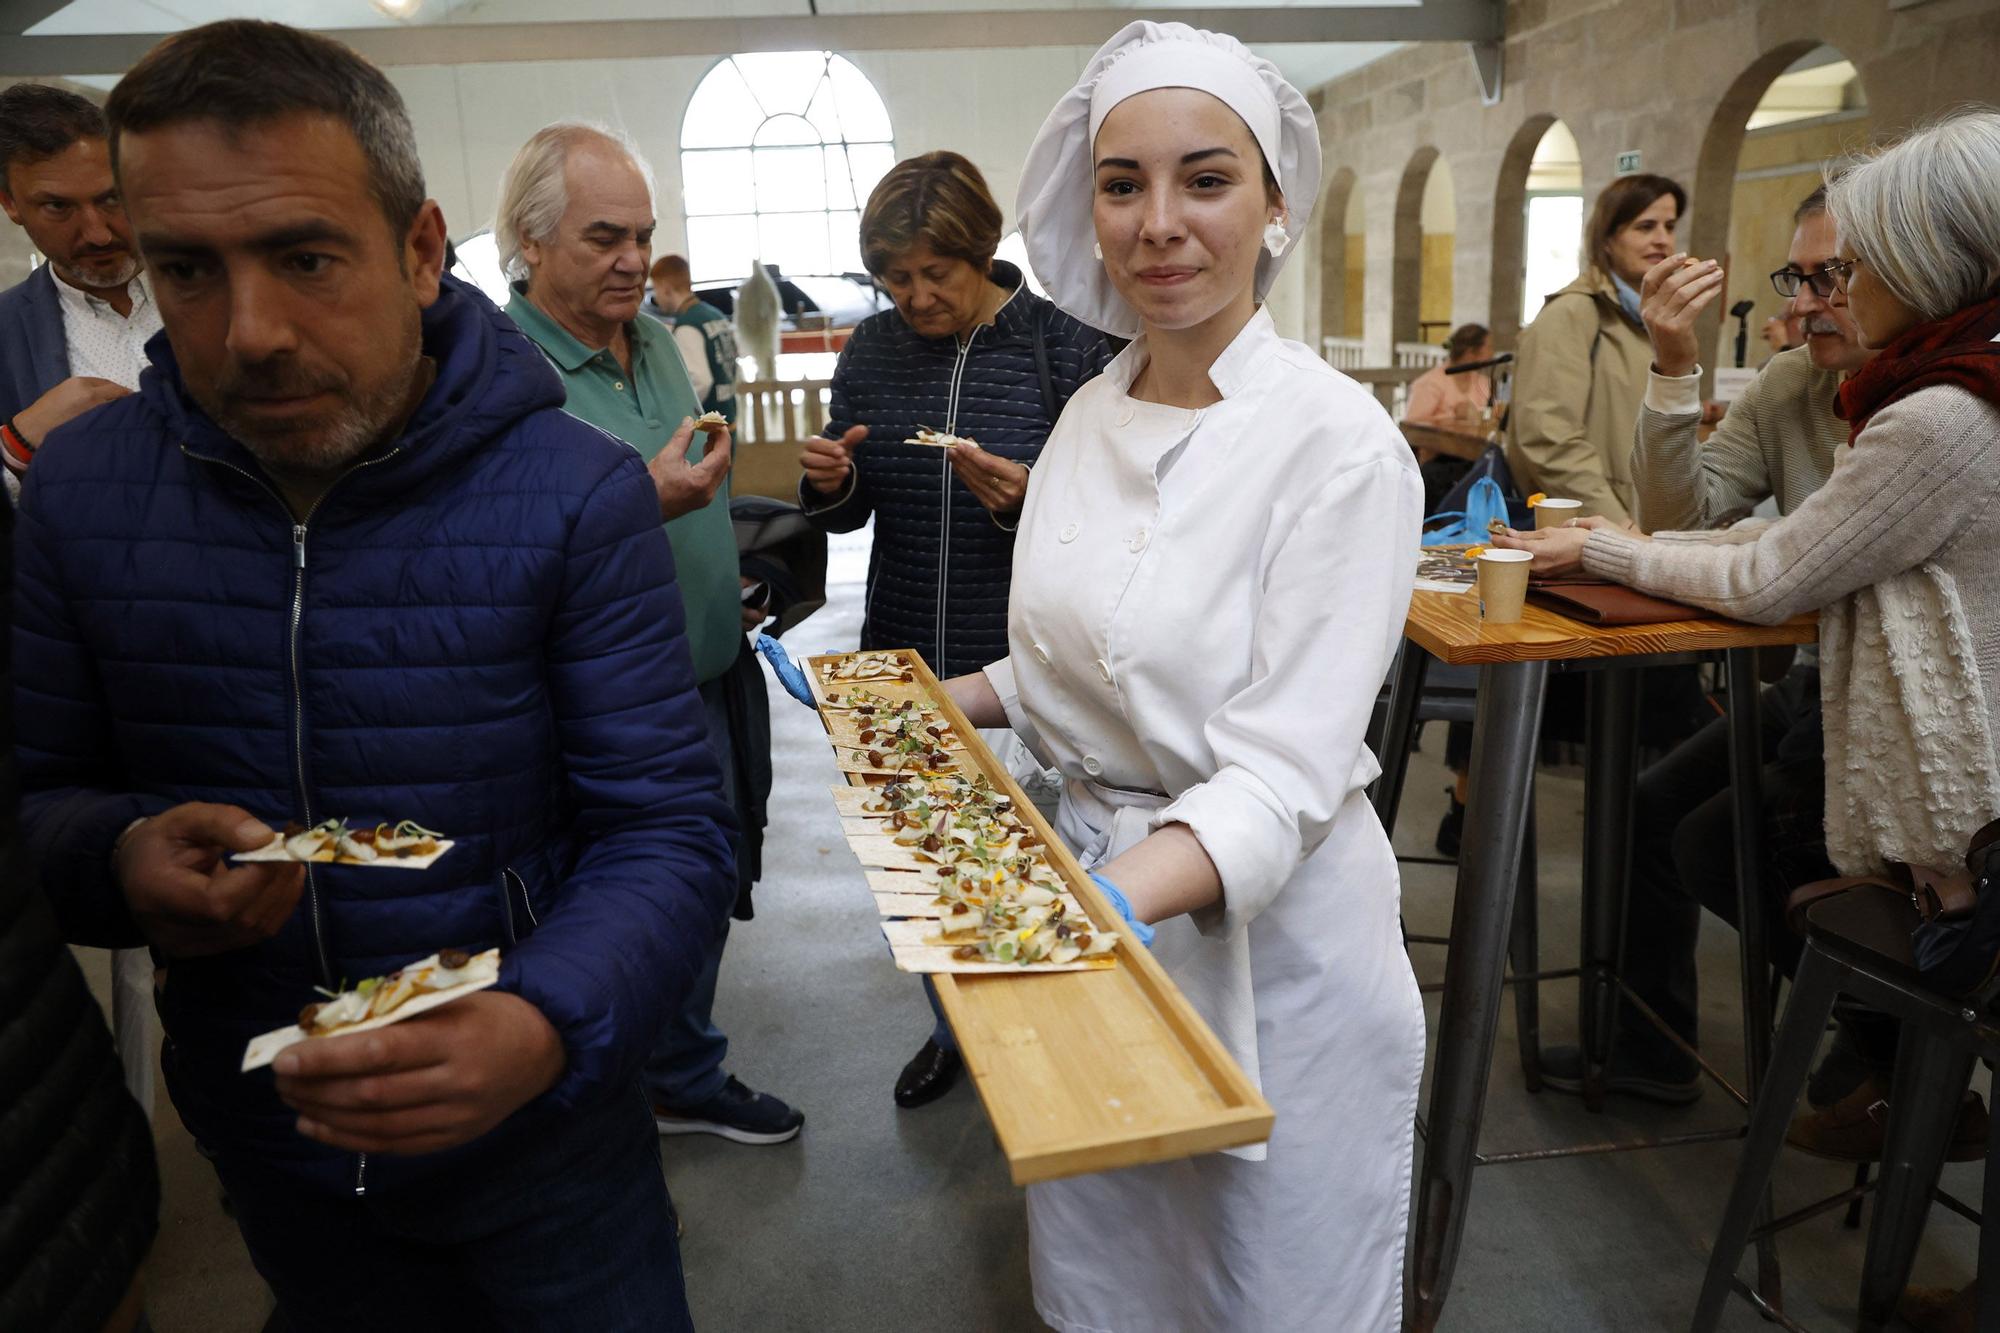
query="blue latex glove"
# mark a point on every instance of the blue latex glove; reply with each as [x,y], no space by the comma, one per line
[789,675]
[1140,930]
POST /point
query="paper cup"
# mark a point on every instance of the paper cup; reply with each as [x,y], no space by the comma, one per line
[1503,585]
[1555,513]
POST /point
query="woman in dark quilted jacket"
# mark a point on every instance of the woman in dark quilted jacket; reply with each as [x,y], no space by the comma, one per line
[79,1193]
[970,352]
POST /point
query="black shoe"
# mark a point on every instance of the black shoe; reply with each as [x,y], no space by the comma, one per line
[929,1076]
[1841,1070]
[1452,827]
[1671,1084]
[736,1113]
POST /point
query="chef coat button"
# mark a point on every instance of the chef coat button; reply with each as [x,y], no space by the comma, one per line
[1091,765]
[1124,416]
[1139,540]
[1104,670]
[1041,654]
[1069,532]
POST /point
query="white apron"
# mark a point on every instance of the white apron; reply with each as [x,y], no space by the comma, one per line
[1203,609]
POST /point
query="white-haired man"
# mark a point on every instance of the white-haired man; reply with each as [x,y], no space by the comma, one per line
[1777,443]
[575,231]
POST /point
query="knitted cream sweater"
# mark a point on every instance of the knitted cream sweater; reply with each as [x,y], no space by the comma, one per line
[1900,553]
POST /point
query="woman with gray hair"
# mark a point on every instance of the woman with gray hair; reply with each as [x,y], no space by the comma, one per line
[1895,552]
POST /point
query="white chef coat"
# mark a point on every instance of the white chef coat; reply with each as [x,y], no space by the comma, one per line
[1204,606]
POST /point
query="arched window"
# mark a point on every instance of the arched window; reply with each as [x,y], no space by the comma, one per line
[779,150]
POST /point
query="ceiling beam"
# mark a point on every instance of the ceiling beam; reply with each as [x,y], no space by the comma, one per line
[21,15]
[488,43]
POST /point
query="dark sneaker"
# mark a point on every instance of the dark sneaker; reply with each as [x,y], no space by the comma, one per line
[736,1113]
[1452,827]
[1671,1084]
[1853,1128]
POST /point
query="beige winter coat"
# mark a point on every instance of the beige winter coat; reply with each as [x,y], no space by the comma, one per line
[1579,381]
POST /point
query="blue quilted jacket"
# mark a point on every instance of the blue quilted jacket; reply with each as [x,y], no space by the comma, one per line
[476,628]
[941,564]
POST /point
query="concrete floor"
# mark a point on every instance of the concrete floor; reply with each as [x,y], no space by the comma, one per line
[879,1219]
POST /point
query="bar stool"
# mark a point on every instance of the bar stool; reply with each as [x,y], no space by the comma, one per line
[1859,944]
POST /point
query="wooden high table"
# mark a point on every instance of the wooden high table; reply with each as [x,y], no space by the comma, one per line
[1514,662]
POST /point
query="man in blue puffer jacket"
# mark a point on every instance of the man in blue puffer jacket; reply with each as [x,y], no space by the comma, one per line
[344,555]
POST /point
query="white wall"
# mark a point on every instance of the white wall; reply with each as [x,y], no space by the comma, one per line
[470,118]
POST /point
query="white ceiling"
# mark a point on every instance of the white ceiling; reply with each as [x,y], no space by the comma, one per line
[1306,64]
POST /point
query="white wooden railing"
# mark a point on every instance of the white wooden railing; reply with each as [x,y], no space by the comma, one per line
[1419,354]
[780,411]
[1343,353]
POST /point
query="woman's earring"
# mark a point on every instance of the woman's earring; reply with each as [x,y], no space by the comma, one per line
[1276,239]
[1097,250]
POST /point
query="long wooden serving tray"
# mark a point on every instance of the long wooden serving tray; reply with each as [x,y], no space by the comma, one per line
[1082,1071]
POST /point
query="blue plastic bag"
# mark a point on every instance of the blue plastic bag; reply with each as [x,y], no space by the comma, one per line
[1484,502]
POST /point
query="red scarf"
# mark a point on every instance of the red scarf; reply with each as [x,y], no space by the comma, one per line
[1958,349]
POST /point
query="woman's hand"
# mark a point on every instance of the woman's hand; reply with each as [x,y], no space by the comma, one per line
[1558,550]
[998,483]
[827,462]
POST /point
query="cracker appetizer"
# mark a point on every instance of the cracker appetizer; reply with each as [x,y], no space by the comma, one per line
[407,846]
[868,666]
[710,422]
[937,439]
[379,1001]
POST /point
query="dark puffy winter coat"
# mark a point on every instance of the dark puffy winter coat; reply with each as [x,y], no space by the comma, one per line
[79,1194]
[476,628]
[938,575]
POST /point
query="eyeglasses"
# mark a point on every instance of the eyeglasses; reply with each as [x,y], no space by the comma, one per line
[1828,280]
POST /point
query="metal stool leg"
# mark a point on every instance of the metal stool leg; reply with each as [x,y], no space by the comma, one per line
[1852,1221]
[1931,1074]
[1406,687]
[1613,742]
[1524,951]
[1813,993]
[1989,1241]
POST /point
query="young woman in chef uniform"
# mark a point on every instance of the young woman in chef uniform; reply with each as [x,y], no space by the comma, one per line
[1209,582]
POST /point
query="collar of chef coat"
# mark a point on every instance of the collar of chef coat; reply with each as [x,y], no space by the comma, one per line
[1232,371]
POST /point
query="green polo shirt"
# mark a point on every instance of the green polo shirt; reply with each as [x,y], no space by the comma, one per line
[643,409]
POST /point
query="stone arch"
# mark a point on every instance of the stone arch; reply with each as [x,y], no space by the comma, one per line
[1722,148]
[1407,242]
[1333,253]
[1510,220]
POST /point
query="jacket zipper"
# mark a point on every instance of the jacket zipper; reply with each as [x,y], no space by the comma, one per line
[944,499]
[300,527]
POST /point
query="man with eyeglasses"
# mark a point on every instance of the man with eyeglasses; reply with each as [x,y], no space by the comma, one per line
[1776,442]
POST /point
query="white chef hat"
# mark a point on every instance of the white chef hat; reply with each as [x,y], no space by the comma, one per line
[1058,179]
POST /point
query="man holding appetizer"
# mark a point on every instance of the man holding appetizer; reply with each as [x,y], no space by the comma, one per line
[574,229]
[343,556]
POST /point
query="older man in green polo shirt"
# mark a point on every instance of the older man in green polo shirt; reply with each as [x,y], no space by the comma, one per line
[575,230]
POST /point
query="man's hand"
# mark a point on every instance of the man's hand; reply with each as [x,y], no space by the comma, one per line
[62,404]
[685,487]
[1671,297]
[434,1082]
[187,898]
[827,462]
[998,483]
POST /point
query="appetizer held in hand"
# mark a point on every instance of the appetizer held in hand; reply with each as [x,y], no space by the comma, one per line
[407,845]
[380,1001]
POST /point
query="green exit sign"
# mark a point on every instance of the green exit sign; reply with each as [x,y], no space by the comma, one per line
[1628,163]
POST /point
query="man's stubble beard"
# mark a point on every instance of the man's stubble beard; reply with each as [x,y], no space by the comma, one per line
[76,277]
[330,446]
